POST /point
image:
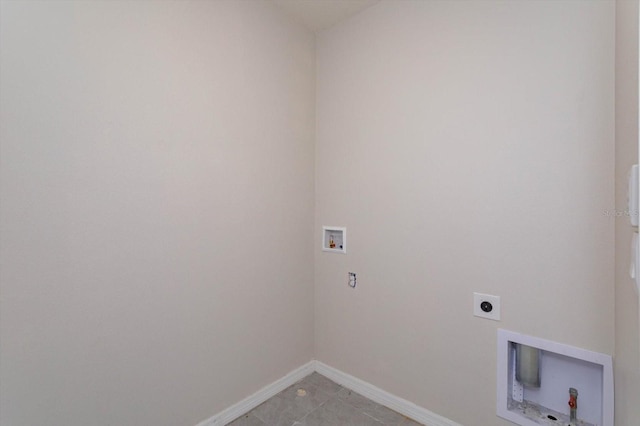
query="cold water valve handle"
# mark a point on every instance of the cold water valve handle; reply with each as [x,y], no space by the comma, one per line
[573,405]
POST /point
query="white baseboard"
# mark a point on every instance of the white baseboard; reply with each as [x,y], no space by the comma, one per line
[230,414]
[402,406]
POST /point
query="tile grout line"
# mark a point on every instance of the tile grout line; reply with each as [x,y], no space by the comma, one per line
[369,415]
[321,404]
[318,388]
[339,394]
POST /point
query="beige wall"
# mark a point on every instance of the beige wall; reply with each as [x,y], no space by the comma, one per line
[627,353]
[157,196]
[466,146]
[157,208]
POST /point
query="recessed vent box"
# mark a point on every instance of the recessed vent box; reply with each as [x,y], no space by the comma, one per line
[541,382]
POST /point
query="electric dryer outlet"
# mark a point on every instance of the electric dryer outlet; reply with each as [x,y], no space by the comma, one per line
[486,306]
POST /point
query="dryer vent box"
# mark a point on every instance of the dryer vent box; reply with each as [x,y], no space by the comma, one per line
[536,376]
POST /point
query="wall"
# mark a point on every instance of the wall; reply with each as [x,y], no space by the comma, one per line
[466,146]
[627,353]
[157,208]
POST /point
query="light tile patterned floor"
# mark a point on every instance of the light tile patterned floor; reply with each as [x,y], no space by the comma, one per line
[325,404]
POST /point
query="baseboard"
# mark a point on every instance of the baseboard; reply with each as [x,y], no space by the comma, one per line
[402,406]
[230,414]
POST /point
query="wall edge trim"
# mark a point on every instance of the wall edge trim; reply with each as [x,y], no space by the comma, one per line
[393,402]
[252,401]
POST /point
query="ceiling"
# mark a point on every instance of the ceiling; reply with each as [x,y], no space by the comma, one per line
[320,14]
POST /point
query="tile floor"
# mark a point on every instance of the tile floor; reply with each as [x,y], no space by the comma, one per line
[325,404]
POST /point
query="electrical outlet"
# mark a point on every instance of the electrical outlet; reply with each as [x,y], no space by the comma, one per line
[486,306]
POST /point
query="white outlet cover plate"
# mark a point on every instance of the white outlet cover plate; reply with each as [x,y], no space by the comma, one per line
[478,298]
